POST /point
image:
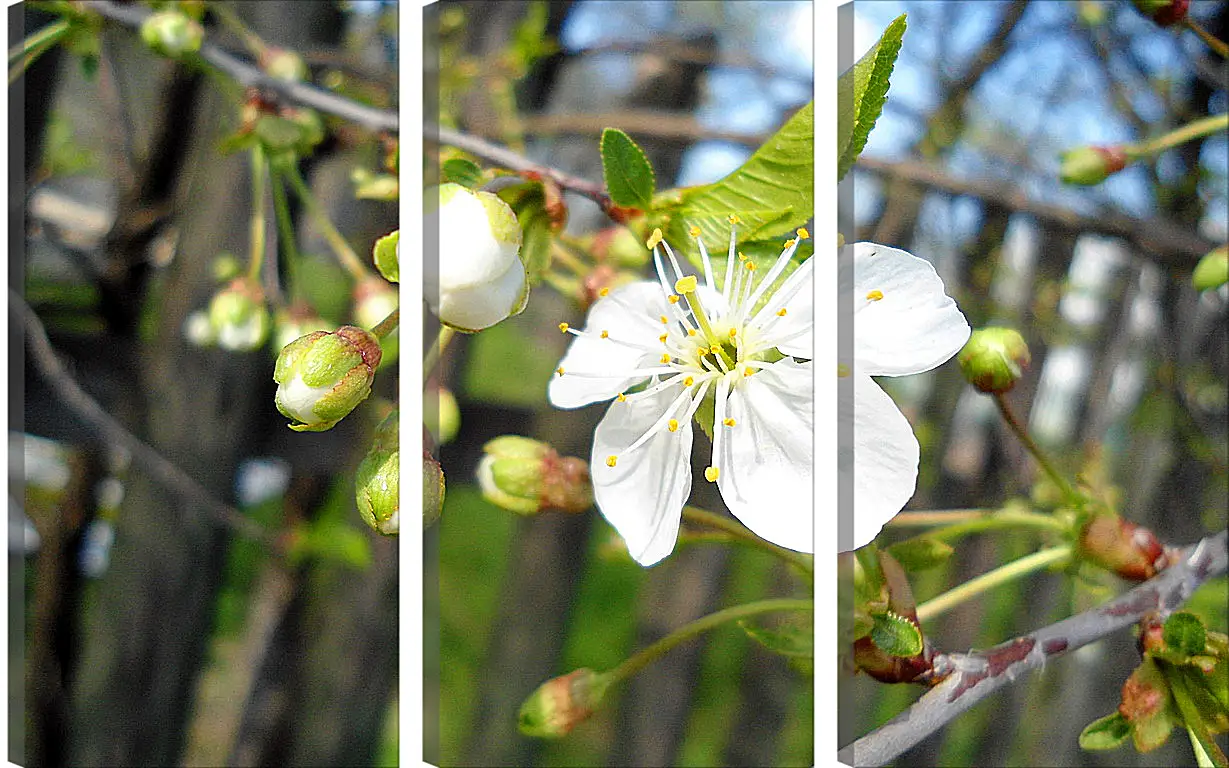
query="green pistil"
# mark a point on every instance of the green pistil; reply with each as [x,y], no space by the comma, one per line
[687,288]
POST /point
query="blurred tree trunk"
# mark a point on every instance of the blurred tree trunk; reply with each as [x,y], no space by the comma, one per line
[148,621]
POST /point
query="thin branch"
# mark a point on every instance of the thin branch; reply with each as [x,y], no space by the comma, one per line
[79,401]
[969,678]
[249,75]
[664,125]
[508,159]
[1168,243]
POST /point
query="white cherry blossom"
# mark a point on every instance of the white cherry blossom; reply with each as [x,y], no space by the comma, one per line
[743,353]
[903,324]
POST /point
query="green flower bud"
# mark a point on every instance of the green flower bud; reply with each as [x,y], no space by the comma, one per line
[527,477]
[1088,166]
[1213,270]
[322,376]
[238,315]
[1164,12]
[225,267]
[993,359]
[284,65]
[172,34]
[377,481]
[562,703]
[387,256]
[374,300]
[441,415]
[198,330]
[478,279]
[432,490]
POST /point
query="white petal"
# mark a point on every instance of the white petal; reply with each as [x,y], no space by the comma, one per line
[643,494]
[885,459]
[797,297]
[915,326]
[766,457]
[482,305]
[631,313]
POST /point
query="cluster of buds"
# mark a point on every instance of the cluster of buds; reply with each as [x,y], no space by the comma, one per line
[478,279]
[527,477]
[322,376]
[378,480]
[993,359]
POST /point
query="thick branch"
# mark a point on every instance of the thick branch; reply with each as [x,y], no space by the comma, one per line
[1168,243]
[250,76]
[114,433]
[971,677]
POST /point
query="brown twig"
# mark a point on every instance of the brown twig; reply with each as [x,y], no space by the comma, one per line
[1168,243]
[111,431]
[646,122]
[508,159]
[248,75]
[967,678]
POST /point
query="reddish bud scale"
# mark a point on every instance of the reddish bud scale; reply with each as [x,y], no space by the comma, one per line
[556,208]
[565,483]
[1130,551]
[1115,158]
[890,669]
[1164,12]
[619,214]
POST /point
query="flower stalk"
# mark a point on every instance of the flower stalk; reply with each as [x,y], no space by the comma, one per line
[345,254]
[286,233]
[742,535]
[436,350]
[963,523]
[1031,446]
[1209,39]
[23,55]
[1002,575]
[256,256]
[1203,127]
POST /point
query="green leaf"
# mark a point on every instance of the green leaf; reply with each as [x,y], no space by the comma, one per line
[629,177]
[771,194]
[461,171]
[919,554]
[861,92]
[1185,690]
[1106,733]
[895,635]
[384,254]
[787,640]
[1185,633]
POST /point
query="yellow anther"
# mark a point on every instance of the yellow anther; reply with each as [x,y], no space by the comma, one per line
[622,398]
[672,425]
[729,422]
[790,244]
[687,382]
[662,338]
[563,327]
[664,320]
[685,284]
[694,231]
[711,474]
[673,298]
[733,218]
[665,358]
[802,233]
[781,312]
[559,370]
[750,266]
[604,292]
[612,460]
[842,371]
[733,332]
[605,334]
[742,256]
[748,371]
[874,295]
[654,239]
[691,331]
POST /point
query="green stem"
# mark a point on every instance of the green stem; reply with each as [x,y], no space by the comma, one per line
[388,324]
[432,358]
[929,517]
[229,19]
[568,259]
[345,254]
[256,256]
[640,660]
[1209,39]
[286,233]
[567,287]
[1202,127]
[1020,432]
[987,581]
[1003,520]
[711,520]
[22,56]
